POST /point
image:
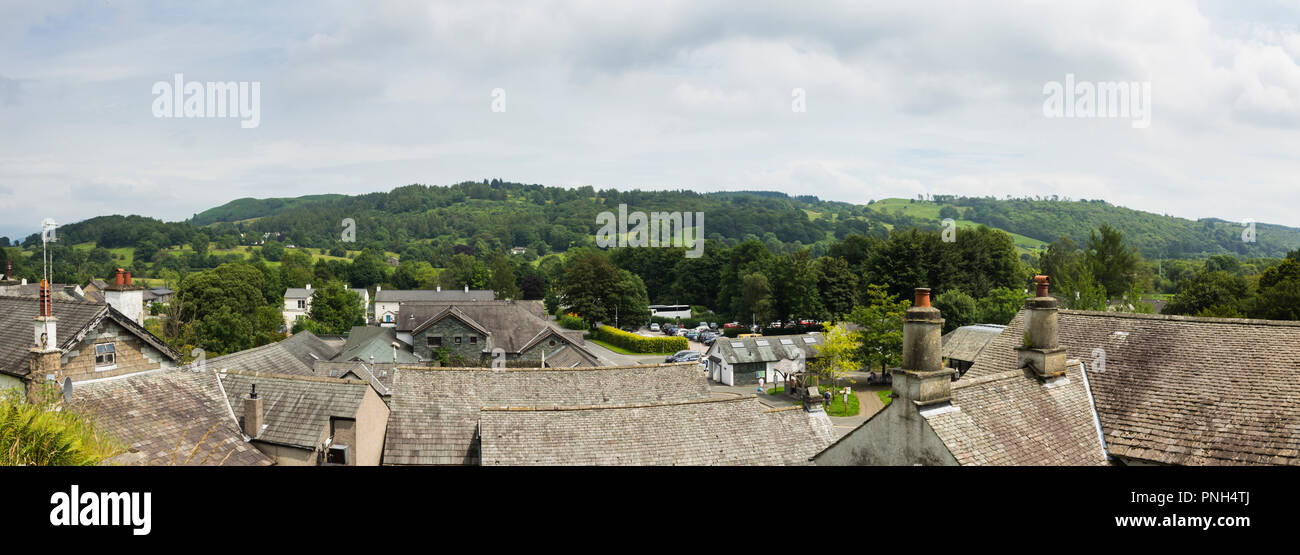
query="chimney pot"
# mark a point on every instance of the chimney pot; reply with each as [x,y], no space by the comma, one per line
[1042,282]
[118,278]
[128,278]
[922,297]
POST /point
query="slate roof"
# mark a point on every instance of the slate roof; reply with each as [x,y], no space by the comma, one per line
[679,433]
[766,349]
[303,293]
[431,295]
[296,409]
[435,411]
[296,355]
[380,375]
[58,291]
[364,341]
[1183,390]
[1015,419]
[966,342]
[167,417]
[509,325]
[75,320]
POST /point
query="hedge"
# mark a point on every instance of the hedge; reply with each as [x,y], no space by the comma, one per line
[569,321]
[637,343]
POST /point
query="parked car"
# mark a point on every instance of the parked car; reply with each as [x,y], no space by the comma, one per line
[691,335]
[713,325]
[654,327]
[713,338]
[669,329]
[683,356]
[731,325]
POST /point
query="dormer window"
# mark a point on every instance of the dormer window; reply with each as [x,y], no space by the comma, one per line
[105,356]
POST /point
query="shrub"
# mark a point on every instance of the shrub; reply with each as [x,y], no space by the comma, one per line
[37,434]
[637,343]
[572,322]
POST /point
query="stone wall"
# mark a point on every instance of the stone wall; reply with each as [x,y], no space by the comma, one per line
[132,354]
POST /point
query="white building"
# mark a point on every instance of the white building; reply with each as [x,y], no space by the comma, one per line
[297,303]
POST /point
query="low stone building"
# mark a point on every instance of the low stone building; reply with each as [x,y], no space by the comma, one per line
[74,340]
[654,434]
[962,345]
[307,420]
[743,361]
[487,332]
[169,417]
[1061,387]
[390,302]
[436,411]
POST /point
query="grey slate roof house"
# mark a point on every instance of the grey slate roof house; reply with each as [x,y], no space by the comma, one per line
[1096,388]
[376,344]
[296,355]
[962,345]
[92,340]
[654,434]
[435,411]
[168,418]
[471,333]
[308,420]
[390,302]
[742,361]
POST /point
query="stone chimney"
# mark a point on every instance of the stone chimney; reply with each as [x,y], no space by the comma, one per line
[922,380]
[1040,349]
[125,297]
[45,359]
[467,289]
[252,413]
[309,287]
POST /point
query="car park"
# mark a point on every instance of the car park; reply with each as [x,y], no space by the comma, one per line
[654,327]
[683,356]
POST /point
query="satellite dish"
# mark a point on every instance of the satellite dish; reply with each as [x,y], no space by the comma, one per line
[67,390]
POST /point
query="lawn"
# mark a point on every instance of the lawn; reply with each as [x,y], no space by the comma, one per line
[884,396]
[836,408]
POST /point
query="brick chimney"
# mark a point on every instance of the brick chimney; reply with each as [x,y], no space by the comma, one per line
[44,358]
[1040,350]
[922,380]
[128,277]
[253,413]
[119,279]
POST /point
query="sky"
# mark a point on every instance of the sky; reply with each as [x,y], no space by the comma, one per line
[926,98]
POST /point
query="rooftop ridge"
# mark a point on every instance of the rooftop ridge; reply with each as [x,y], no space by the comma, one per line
[1177,318]
[548,369]
[571,408]
[296,377]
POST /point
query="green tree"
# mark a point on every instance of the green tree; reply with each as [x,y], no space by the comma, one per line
[588,284]
[957,307]
[837,285]
[999,306]
[1218,292]
[1114,264]
[223,331]
[881,327]
[503,280]
[273,250]
[336,308]
[756,298]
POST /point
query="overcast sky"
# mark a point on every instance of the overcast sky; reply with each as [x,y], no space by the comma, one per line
[359,97]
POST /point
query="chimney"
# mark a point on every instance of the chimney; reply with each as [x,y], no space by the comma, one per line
[119,279]
[309,287]
[467,289]
[252,413]
[44,358]
[9,270]
[439,288]
[922,380]
[128,278]
[1041,351]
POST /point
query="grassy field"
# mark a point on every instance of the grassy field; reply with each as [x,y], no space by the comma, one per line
[927,210]
[836,408]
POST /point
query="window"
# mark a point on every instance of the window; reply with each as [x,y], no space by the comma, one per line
[551,343]
[338,454]
[105,355]
[458,340]
[302,303]
[473,339]
[435,340]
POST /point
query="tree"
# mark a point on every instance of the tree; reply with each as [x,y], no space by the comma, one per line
[756,298]
[1114,264]
[630,300]
[200,245]
[464,271]
[957,307]
[838,355]
[503,280]
[368,269]
[336,308]
[837,284]
[881,323]
[999,306]
[273,250]
[224,331]
[1218,292]
[588,283]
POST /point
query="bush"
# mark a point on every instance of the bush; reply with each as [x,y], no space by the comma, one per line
[36,434]
[571,322]
[637,343]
